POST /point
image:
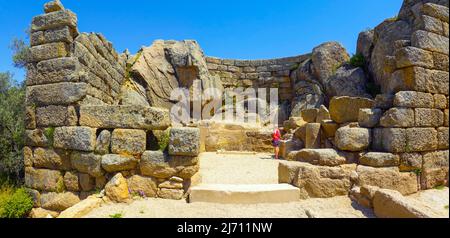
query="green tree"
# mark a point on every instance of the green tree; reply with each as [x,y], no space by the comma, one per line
[21,52]
[12,128]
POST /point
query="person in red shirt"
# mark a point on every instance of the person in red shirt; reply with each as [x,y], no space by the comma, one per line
[276,137]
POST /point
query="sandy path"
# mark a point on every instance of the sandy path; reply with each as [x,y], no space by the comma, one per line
[339,207]
[238,169]
[235,169]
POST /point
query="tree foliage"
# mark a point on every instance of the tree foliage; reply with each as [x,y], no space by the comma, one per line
[12,128]
[21,52]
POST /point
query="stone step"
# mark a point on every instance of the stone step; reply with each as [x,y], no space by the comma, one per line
[244,194]
[322,157]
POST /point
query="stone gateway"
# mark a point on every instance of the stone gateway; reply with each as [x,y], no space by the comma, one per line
[98,120]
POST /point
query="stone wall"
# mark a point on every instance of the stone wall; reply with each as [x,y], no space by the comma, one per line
[399,140]
[274,73]
[80,138]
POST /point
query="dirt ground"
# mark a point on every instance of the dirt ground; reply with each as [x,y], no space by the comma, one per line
[238,168]
[339,207]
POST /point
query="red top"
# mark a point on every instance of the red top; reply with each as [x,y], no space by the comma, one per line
[276,135]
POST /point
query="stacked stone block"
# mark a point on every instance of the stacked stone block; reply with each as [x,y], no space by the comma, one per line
[79,140]
[257,73]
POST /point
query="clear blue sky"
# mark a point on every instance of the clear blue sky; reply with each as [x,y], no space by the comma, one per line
[251,29]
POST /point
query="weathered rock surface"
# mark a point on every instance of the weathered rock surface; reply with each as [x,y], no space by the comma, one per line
[352,139]
[317,181]
[59,201]
[167,65]
[327,58]
[435,169]
[348,81]
[56,94]
[128,142]
[75,138]
[42,213]
[184,141]
[125,116]
[155,164]
[323,157]
[102,146]
[82,208]
[391,204]
[174,194]
[87,163]
[43,179]
[375,159]
[388,178]
[145,185]
[346,109]
[117,189]
[369,117]
[116,163]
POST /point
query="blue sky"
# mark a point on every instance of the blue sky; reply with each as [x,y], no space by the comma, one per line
[252,29]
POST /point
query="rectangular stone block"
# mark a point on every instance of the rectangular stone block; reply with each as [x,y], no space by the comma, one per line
[429,24]
[443,138]
[63,34]
[438,11]
[410,162]
[51,159]
[44,180]
[441,61]
[440,101]
[55,116]
[413,99]
[128,142]
[124,117]
[346,109]
[184,141]
[48,51]
[54,20]
[435,169]
[388,178]
[430,41]
[369,117]
[75,138]
[425,80]
[421,139]
[88,163]
[412,56]
[398,117]
[36,138]
[426,117]
[53,71]
[55,94]
[393,140]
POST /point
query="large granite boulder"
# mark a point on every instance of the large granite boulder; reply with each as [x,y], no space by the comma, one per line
[167,65]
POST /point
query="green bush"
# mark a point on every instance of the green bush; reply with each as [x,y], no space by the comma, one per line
[117,215]
[18,205]
[164,140]
[357,60]
[12,127]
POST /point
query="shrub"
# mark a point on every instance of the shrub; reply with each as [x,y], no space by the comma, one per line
[163,140]
[18,205]
[357,60]
[117,215]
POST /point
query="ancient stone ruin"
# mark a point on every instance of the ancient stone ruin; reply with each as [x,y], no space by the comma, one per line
[98,120]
